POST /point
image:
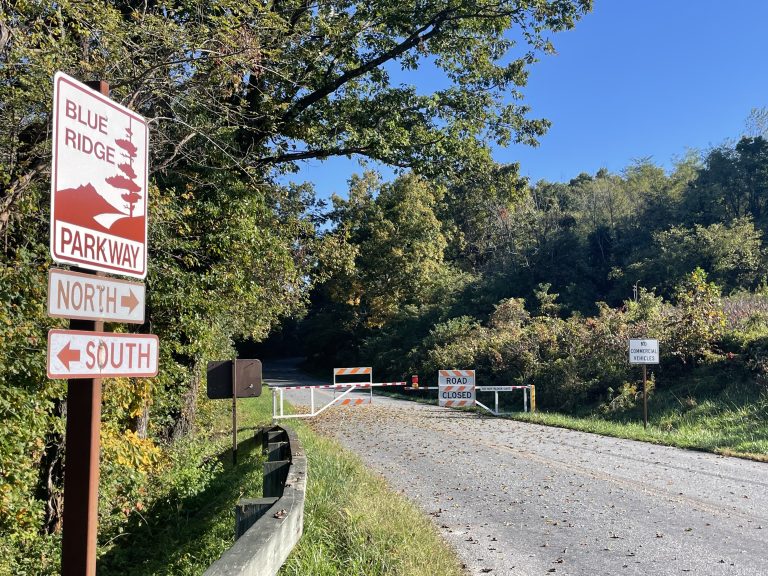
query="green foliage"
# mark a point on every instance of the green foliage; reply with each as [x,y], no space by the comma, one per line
[699,321]
[733,184]
[732,254]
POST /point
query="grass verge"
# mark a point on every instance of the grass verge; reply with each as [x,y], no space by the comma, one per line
[695,414]
[353,523]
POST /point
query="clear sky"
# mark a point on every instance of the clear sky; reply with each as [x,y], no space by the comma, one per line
[634,79]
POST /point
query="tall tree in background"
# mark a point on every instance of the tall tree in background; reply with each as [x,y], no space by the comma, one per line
[732,184]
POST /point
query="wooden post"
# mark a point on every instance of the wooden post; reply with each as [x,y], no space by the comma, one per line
[234,413]
[81,457]
[645,396]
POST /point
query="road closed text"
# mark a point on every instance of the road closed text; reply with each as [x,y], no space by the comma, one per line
[456,395]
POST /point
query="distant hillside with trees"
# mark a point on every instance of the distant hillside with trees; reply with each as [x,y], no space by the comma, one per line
[544,283]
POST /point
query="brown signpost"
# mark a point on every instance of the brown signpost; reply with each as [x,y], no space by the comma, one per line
[240,378]
[98,223]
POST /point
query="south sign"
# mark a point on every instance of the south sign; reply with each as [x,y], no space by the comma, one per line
[80,354]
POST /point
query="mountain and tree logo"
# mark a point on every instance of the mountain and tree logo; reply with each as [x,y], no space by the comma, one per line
[115,204]
[127,180]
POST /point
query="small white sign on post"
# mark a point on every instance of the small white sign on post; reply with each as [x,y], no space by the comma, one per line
[456,387]
[643,351]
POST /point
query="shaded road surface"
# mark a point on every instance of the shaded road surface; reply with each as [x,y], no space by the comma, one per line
[522,499]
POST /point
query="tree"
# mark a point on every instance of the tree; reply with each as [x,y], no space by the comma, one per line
[731,253]
[732,184]
[400,245]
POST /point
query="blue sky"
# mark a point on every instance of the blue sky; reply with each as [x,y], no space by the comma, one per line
[634,79]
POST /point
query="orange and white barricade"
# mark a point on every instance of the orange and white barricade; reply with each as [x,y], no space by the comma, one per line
[456,388]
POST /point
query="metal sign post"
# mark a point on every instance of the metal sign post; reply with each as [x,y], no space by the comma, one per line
[81,458]
[234,412]
[644,351]
[645,396]
[99,166]
[233,379]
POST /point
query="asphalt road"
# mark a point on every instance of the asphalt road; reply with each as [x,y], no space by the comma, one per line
[521,499]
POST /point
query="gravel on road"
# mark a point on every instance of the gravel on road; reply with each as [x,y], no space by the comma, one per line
[521,499]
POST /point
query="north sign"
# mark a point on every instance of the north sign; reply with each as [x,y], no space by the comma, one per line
[79,354]
[90,297]
[98,181]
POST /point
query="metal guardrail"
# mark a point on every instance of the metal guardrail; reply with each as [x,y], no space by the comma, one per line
[268,528]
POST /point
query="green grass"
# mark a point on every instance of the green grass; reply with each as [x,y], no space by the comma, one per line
[711,409]
[191,520]
[353,523]
[698,413]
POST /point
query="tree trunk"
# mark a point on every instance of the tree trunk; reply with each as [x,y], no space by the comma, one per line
[186,422]
[50,483]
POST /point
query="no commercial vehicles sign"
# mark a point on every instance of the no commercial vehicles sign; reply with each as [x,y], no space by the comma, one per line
[98,181]
[643,351]
[456,387]
[89,297]
[76,354]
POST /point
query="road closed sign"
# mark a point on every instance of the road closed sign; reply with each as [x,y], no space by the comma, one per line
[98,181]
[456,387]
[643,351]
[80,354]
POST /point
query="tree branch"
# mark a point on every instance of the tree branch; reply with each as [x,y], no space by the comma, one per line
[423,34]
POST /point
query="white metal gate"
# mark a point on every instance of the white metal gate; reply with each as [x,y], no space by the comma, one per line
[366,382]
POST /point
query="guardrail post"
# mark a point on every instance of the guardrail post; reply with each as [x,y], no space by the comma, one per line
[249,510]
[277,451]
[533,398]
[275,474]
